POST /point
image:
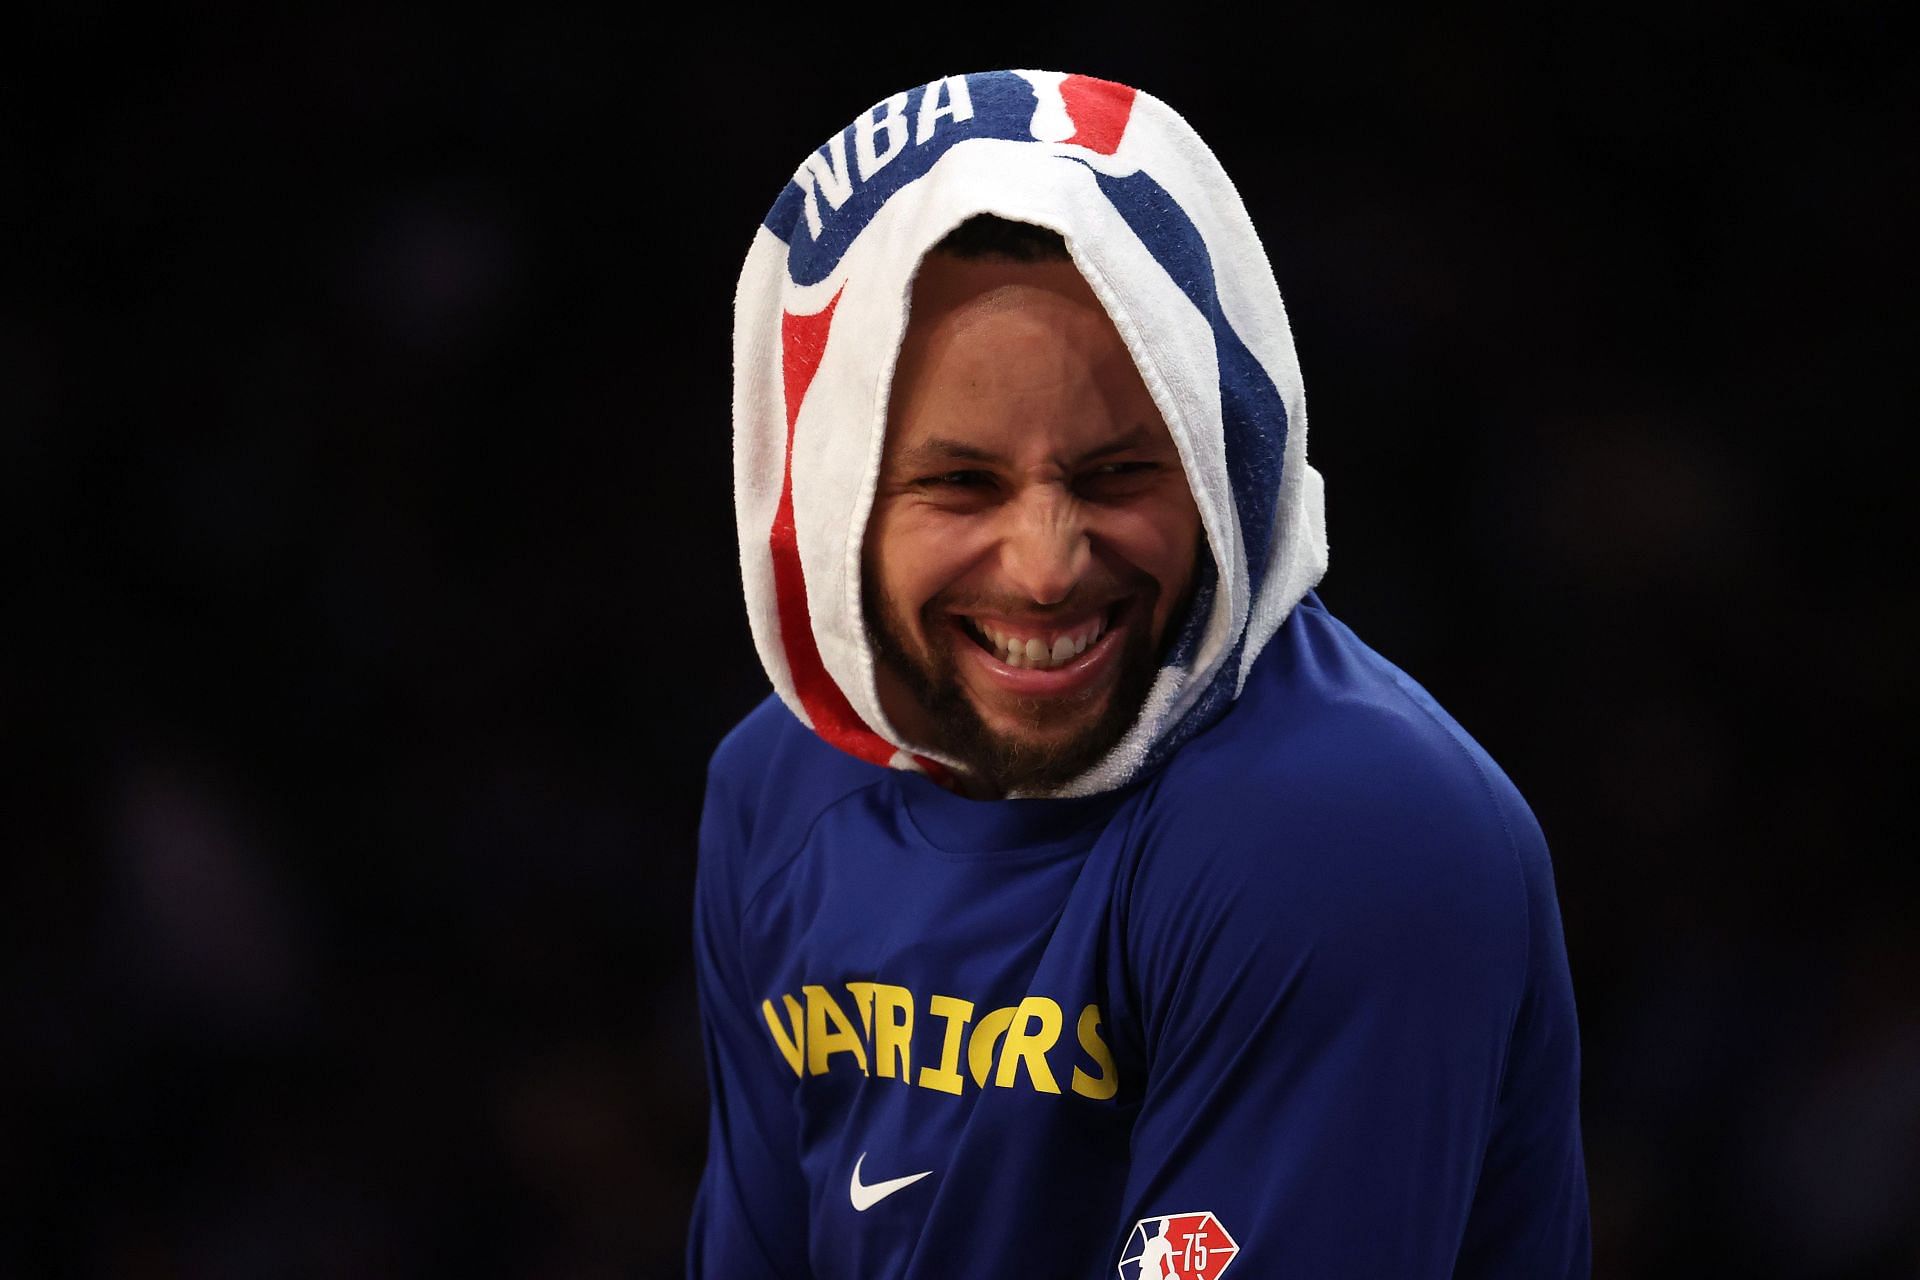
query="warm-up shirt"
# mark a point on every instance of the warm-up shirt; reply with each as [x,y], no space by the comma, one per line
[1295,1004]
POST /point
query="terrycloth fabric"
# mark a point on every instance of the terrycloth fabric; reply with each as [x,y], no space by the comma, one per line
[1157,229]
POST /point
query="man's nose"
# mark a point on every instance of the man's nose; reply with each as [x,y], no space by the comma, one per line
[1045,551]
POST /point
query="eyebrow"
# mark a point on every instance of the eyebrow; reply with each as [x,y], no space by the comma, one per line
[940,450]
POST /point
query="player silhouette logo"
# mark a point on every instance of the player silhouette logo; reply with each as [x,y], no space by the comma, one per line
[1177,1246]
[1156,1260]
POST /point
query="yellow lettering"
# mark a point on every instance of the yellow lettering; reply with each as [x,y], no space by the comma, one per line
[997,1045]
[892,1032]
[863,1001]
[1107,1083]
[788,1041]
[1029,1046]
[822,1044]
[986,1037]
[946,1077]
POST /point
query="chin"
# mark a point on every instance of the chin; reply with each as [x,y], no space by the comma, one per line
[1030,745]
[1040,755]
[1077,734]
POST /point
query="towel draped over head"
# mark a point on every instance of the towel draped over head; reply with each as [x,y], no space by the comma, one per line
[1154,224]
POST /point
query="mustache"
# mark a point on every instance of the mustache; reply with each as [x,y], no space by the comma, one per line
[1087,596]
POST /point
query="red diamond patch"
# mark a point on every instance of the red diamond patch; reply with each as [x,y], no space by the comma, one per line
[1179,1246]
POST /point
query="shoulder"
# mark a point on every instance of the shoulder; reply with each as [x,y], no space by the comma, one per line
[769,779]
[1332,754]
[1338,809]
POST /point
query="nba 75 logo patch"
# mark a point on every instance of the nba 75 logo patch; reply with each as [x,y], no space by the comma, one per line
[1180,1246]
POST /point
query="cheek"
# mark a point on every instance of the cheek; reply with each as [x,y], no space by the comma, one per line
[1161,541]
[912,559]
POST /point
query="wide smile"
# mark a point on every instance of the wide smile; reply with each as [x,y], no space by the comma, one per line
[1042,660]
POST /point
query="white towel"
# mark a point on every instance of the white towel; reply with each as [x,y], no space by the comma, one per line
[1157,229]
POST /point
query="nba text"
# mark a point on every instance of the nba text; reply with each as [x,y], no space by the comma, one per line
[878,137]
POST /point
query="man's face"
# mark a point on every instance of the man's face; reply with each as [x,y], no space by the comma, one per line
[1033,537]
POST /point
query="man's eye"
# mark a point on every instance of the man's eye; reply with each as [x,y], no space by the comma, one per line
[955,480]
[1118,475]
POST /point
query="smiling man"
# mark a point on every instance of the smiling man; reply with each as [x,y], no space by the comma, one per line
[1087,900]
[1033,538]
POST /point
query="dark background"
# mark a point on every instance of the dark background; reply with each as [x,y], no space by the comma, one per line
[364,396]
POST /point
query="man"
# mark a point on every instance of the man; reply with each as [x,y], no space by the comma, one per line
[1088,900]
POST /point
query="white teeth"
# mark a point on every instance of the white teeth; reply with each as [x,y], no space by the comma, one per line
[1035,652]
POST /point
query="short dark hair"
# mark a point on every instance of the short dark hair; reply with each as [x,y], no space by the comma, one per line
[987,235]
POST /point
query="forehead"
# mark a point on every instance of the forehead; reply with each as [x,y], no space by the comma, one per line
[962,301]
[1018,352]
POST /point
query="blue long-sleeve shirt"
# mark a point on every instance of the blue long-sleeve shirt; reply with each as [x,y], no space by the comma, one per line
[1295,1004]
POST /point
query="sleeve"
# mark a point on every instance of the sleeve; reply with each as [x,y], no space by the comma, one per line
[750,1214]
[1530,1210]
[1347,1008]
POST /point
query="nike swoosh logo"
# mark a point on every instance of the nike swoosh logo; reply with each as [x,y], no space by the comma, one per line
[865,1196]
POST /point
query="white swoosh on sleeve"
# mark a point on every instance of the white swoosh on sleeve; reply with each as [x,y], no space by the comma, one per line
[865,1196]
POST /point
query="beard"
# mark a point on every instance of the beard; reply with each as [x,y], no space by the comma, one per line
[1055,751]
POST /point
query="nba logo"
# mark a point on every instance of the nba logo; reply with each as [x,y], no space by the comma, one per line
[1180,1246]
